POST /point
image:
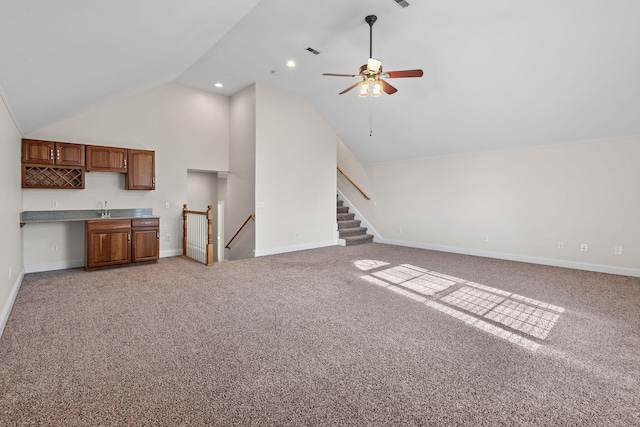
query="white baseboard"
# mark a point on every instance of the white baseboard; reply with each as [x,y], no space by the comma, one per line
[6,310]
[62,265]
[170,253]
[284,249]
[600,268]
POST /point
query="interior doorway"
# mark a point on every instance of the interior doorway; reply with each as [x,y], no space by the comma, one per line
[202,191]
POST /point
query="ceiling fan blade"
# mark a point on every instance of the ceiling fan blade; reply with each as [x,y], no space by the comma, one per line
[403,73]
[387,88]
[339,75]
[349,88]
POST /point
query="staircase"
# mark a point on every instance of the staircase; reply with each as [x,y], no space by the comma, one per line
[349,228]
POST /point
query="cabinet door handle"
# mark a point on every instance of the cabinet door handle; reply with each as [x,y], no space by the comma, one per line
[51,154]
[125,163]
[58,154]
[153,182]
[129,237]
[158,235]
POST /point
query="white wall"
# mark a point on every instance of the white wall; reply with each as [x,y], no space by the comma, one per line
[295,174]
[352,167]
[240,194]
[187,129]
[524,201]
[202,190]
[11,270]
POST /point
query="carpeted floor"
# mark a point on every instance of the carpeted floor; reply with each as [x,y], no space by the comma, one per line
[362,335]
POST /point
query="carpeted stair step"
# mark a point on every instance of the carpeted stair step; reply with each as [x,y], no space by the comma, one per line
[353,223]
[345,216]
[358,240]
[349,228]
[350,232]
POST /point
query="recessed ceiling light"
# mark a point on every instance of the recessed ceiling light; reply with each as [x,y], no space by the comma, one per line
[291,64]
[218,84]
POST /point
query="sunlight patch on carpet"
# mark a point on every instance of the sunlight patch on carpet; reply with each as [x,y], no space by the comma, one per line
[492,310]
[369,264]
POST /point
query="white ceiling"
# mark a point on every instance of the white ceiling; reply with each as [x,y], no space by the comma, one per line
[499,74]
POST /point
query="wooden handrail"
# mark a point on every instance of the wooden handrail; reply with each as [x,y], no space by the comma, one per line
[252,216]
[353,183]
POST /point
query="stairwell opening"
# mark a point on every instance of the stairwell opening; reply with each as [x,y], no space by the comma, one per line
[349,228]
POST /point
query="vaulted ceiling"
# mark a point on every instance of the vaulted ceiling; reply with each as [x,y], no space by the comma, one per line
[498,74]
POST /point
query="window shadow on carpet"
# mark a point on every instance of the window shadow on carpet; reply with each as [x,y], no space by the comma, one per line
[515,318]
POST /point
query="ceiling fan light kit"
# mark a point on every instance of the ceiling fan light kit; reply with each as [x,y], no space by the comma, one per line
[371,73]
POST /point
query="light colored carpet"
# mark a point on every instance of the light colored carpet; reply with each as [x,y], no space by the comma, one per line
[363,335]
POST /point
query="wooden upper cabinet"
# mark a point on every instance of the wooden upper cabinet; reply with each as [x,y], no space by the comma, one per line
[106,159]
[69,154]
[142,170]
[37,152]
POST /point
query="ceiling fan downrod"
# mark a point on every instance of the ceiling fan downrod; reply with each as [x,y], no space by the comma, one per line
[371,19]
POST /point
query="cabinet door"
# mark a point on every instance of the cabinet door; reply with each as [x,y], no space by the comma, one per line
[108,243]
[142,170]
[69,154]
[38,152]
[145,244]
[106,159]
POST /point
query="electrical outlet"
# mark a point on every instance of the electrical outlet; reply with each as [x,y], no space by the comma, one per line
[167,237]
[54,248]
[560,245]
[400,230]
[486,238]
[617,250]
[167,205]
[54,204]
[584,247]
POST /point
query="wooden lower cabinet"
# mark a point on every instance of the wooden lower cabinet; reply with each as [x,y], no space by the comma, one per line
[145,240]
[112,242]
[108,243]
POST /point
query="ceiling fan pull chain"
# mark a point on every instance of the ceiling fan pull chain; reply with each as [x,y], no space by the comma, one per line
[370,115]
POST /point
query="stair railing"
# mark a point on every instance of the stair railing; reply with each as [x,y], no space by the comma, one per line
[197,235]
[353,183]
[252,216]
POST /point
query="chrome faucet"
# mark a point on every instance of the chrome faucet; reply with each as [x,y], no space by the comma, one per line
[105,211]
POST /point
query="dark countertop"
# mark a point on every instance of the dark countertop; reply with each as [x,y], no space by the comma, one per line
[28,217]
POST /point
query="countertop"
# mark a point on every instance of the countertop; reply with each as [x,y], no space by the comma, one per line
[28,217]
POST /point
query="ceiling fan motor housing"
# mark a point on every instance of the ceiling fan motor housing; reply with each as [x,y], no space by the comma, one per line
[366,71]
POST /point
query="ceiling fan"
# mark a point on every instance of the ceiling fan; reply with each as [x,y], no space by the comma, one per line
[371,73]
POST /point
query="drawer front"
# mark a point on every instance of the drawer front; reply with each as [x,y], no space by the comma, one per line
[145,222]
[108,224]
